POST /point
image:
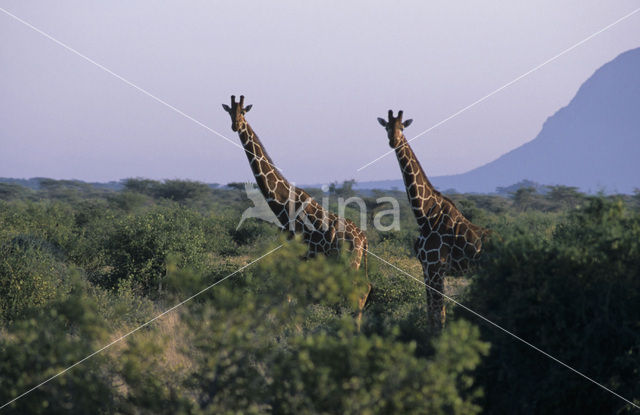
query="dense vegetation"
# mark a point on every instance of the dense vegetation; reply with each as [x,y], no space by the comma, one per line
[82,265]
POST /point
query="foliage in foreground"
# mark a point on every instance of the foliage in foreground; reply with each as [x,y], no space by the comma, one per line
[270,359]
[249,347]
[81,265]
[576,295]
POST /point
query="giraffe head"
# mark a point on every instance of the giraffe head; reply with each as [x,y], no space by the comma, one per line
[236,111]
[394,127]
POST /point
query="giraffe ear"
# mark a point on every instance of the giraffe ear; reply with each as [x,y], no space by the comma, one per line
[382,122]
[407,123]
[226,107]
[248,108]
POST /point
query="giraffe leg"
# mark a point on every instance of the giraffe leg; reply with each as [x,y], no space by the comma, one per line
[359,255]
[361,303]
[435,301]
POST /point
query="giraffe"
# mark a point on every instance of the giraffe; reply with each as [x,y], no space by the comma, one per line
[448,242]
[297,212]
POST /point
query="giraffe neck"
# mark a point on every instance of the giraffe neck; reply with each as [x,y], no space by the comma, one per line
[263,168]
[421,193]
[283,198]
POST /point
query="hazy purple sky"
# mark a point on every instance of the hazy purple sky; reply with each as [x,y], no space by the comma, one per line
[317,73]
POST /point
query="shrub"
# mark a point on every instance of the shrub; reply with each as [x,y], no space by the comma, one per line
[219,234]
[36,348]
[350,374]
[52,222]
[575,295]
[139,246]
[181,190]
[30,276]
[255,353]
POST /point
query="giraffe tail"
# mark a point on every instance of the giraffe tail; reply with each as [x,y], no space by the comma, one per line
[366,269]
[366,250]
[363,300]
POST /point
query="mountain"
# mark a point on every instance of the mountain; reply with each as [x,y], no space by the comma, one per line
[593,143]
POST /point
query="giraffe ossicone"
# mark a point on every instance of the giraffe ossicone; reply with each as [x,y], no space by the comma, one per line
[448,241]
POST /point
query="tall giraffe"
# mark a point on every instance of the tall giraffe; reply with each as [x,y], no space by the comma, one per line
[448,242]
[324,232]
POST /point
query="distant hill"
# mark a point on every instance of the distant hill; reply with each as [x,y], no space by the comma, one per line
[593,143]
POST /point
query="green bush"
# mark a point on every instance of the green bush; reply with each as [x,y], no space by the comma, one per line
[575,295]
[219,234]
[37,348]
[350,374]
[30,276]
[256,354]
[251,231]
[127,201]
[139,245]
[181,190]
[176,190]
[10,191]
[122,306]
[52,222]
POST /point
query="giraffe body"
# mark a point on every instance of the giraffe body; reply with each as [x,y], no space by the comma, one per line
[298,213]
[448,242]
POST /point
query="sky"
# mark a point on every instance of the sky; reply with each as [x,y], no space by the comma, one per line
[317,73]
